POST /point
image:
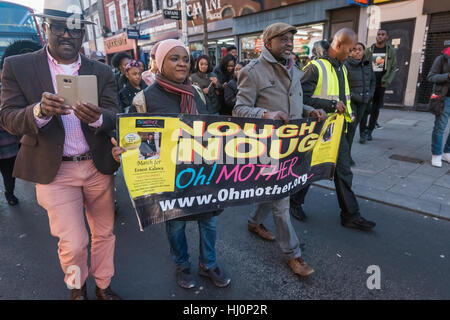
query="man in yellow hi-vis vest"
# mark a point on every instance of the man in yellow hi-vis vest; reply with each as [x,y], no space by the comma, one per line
[325,86]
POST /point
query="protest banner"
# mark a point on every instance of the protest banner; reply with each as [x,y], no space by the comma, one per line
[189,164]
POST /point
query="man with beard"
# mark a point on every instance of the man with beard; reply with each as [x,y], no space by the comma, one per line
[269,87]
[66,149]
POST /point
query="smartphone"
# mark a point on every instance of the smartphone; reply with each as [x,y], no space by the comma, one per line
[77,88]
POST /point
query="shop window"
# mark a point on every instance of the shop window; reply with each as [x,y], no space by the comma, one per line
[124,13]
[227,13]
[158,5]
[247,10]
[113,18]
[90,30]
[98,32]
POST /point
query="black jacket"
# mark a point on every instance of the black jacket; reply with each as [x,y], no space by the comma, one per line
[127,93]
[212,98]
[361,80]
[439,75]
[230,92]
[309,83]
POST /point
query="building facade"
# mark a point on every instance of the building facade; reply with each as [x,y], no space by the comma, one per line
[152,25]
[417,29]
[314,20]
[93,11]
[119,29]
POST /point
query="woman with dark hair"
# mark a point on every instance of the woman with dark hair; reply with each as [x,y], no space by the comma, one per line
[226,69]
[230,91]
[207,81]
[172,94]
[120,61]
[225,73]
[133,85]
[362,82]
[192,67]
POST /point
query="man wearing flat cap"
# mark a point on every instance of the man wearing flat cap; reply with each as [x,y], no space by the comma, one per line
[269,87]
[66,150]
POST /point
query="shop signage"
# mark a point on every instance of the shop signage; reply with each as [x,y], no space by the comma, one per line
[133,33]
[118,43]
[159,29]
[359,2]
[213,8]
[258,45]
[172,14]
[365,3]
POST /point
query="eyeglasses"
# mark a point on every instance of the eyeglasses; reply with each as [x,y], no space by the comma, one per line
[59,31]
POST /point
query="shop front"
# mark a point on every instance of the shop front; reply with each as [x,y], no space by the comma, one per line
[217,49]
[154,30]
[220,36]
[311,18]
[437,33]
[118,43]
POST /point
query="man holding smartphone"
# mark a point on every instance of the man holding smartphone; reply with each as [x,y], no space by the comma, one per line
[66,148]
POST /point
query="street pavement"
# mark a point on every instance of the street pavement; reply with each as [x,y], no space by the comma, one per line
[416,185]
[410,249]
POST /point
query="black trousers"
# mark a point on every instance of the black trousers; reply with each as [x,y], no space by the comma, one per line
[343,178]
[6,168]
[360,111]
[377,104]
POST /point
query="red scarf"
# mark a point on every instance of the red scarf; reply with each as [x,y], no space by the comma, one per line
[185,90]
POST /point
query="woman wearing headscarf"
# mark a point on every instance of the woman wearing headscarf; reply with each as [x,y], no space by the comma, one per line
[172,93]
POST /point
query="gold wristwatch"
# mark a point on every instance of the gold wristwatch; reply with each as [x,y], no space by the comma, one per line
[38,112]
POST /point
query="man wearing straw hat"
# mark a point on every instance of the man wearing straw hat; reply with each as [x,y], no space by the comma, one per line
[66,149]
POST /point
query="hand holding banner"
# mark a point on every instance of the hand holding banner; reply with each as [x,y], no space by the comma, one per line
[182,166]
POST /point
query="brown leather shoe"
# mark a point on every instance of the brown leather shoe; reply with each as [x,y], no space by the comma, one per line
[261,231]
[106,294]
[79,294]
[300,267]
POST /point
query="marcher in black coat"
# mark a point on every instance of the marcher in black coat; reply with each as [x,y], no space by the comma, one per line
[362,82]
[225,73]
[230,91]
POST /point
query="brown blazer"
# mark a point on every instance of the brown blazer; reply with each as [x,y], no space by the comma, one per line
[25,78]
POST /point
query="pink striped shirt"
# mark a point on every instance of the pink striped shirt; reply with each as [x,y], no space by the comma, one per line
[75,143]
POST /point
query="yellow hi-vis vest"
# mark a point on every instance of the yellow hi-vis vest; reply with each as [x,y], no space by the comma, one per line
[328,85]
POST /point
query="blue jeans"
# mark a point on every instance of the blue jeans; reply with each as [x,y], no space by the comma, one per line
[175,230]
[440,124]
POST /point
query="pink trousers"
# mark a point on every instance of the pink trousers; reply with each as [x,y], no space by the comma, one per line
[79,186]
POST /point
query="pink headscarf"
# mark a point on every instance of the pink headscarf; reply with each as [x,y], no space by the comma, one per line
[447,51]
[164,48]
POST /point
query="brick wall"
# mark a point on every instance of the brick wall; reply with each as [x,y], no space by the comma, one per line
[107,4]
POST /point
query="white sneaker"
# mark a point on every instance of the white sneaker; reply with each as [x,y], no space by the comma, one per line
[436,161]
[446,157]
